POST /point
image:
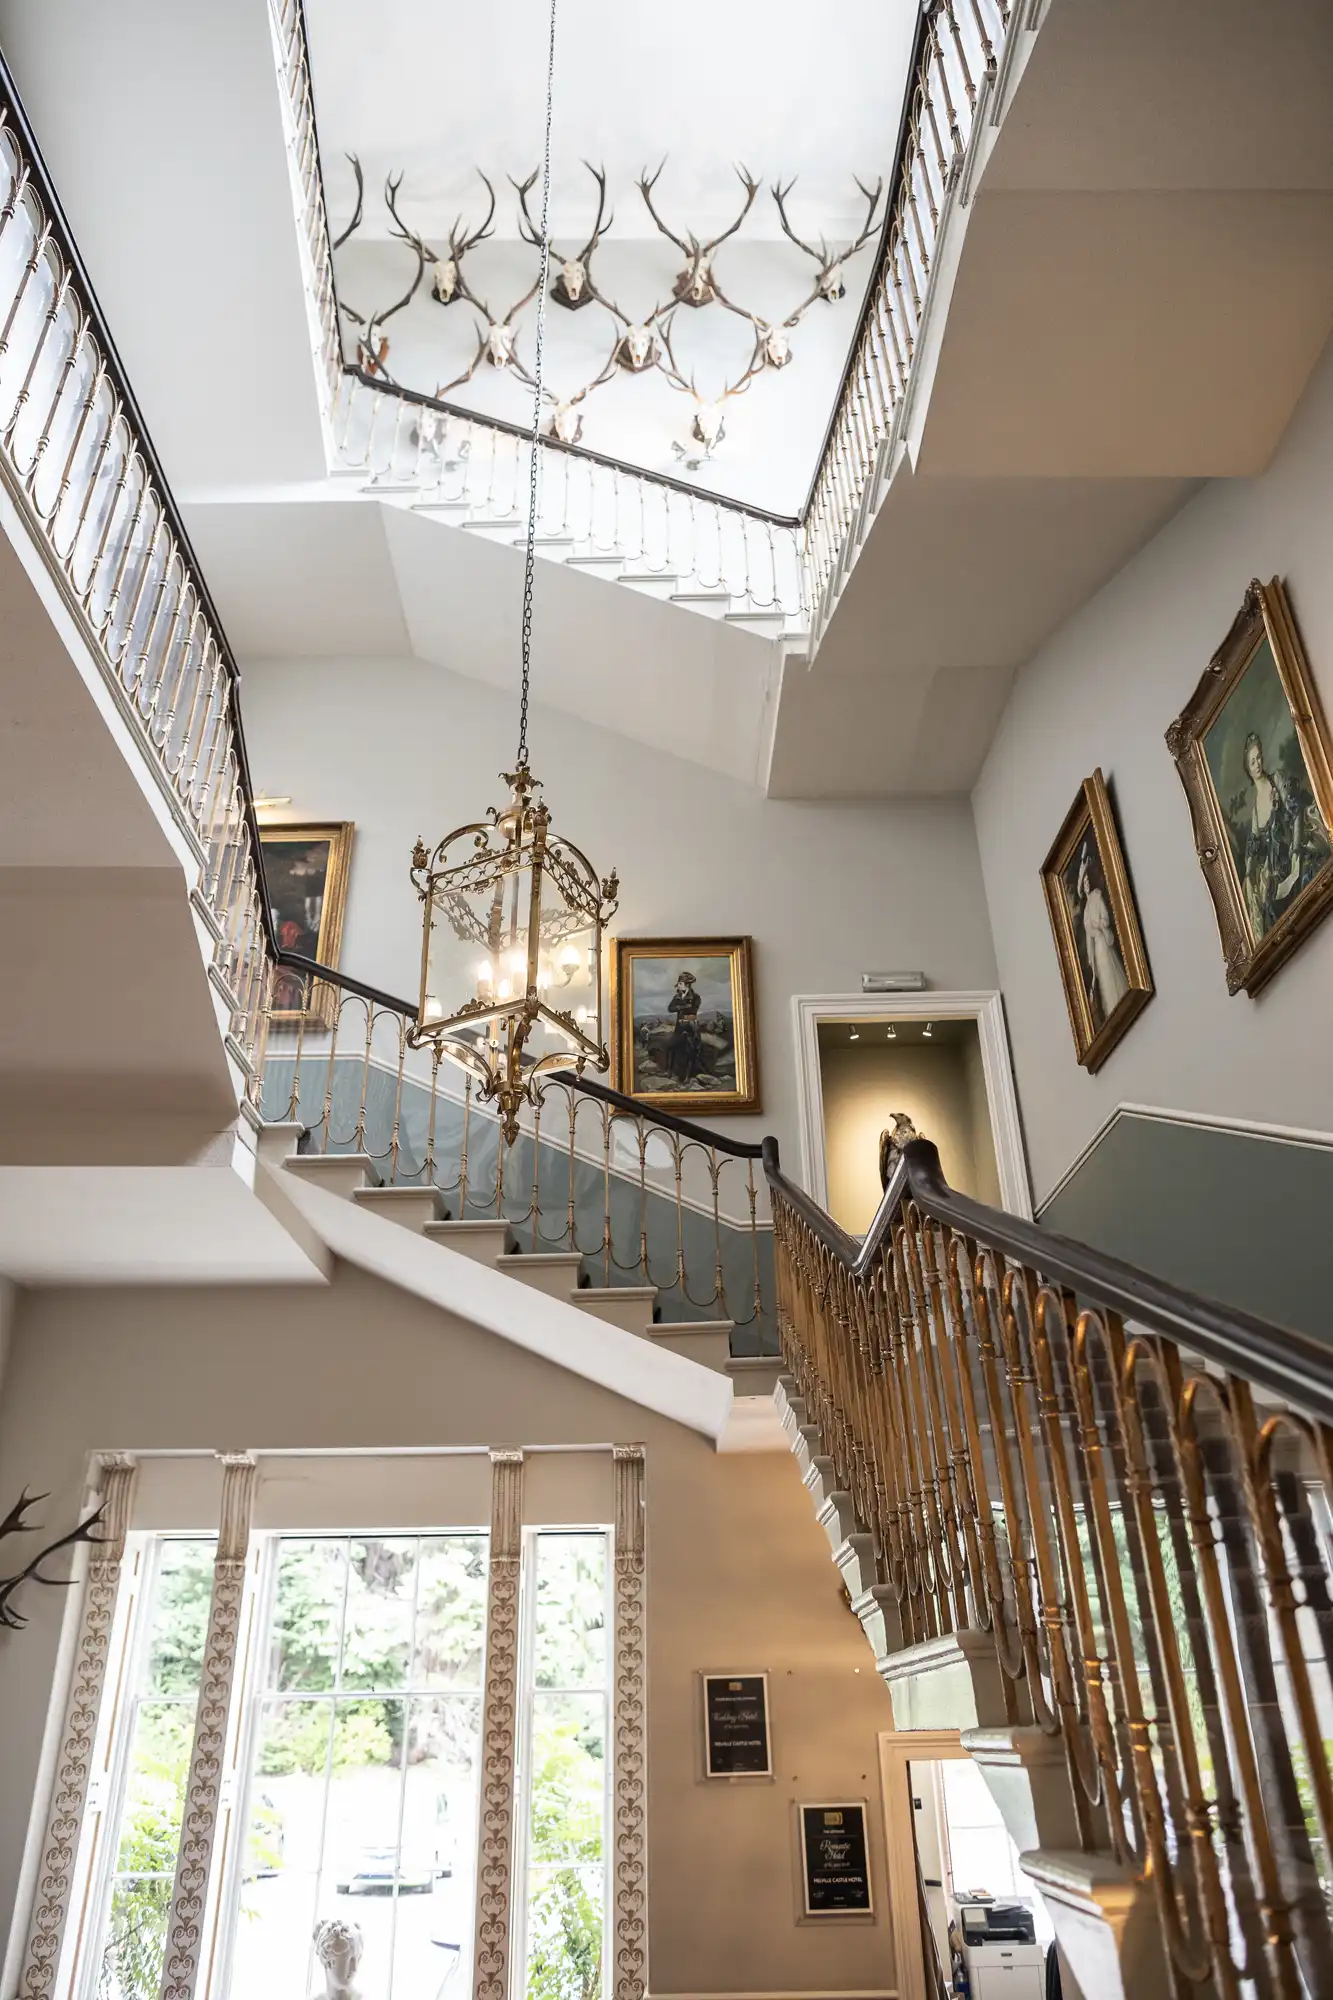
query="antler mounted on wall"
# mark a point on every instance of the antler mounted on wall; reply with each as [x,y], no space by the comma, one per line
[696,285]
[572,285]
[641,345]
[830,284]
[14,1524]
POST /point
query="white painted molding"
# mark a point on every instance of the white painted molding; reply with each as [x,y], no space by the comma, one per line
[985,1008]
[61,1842]
[1243,1128]
[629,1734]
[499,1739]
[203,1786]
[897,1749]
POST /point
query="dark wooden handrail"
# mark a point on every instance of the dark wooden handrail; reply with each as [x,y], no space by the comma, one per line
[1294,1365]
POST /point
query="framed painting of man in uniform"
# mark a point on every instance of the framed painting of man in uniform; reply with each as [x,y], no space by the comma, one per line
[1253,752]
[306,869]
[1103,965]
[682,1013]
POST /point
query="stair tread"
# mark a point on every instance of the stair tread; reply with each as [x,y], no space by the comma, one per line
[543,1259]
[457,1228]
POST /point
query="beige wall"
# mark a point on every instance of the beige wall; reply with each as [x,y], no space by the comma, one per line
[826,892]
[1103,692]
[739,1574]
[864,1082]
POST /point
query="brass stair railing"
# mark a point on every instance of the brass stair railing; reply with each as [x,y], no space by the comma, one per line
[1127,1488]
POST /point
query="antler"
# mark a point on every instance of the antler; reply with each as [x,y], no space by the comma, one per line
[391,187]
[872,203]
[527,228]
[779,194]
[671,371]
[355,222]
[828,283]
[459,247]
[14,1524]
[599,175]
[751,187]
[646,186]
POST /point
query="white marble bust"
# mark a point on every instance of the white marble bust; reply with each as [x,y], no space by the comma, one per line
[338,1947]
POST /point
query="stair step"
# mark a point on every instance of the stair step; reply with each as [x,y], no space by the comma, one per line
[338,1173]
[485,1242]
[649,585]
[411,1207]
[707,1341]
[595,562]
[701,597]
[773,618]
[442,506]
[549,542]
[486,524]
[554,1272]
[754,1374]
[629,1307]
[278,1142]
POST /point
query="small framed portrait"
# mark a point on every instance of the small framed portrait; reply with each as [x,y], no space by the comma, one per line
[306,868]
[1252,749]
[682,1012]
[1103,965]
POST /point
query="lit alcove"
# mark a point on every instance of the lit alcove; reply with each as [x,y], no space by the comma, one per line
[932,1072]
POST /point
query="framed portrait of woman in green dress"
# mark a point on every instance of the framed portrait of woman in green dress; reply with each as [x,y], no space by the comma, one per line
[1253,753]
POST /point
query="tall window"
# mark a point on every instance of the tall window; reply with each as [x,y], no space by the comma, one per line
[361,1745]
[353,1790]
[149,1771]
[564,1767]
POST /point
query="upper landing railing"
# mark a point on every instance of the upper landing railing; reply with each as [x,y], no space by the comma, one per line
[475,468]
[1122,1487]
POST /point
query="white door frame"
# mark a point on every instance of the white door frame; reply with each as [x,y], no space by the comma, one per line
[986,1009]
[898,1749]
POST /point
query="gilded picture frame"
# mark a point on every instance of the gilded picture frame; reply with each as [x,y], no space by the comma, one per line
[1095,924]
[682,1018]
[1253,752]
[307,865]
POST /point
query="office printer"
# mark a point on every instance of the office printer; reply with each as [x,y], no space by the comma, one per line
[997,1923]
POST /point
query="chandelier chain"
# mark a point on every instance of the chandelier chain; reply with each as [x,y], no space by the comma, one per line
[530,552]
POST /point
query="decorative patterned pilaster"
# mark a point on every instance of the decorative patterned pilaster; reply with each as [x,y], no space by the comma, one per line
[495,1860]
[180,1968]
[629,1744]
[69,1792]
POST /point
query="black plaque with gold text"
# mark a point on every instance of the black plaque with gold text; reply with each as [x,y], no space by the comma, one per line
[736,1739]
[835,1860]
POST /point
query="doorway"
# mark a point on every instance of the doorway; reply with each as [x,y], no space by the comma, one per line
[949,1851]
[940,1059]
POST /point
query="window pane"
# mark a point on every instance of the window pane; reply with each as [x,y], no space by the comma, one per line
[571,1611]
[283,1833]
[451,1612]
[568,1777]
[433,1939]
[179,1618]
[381,1594]
[131,1967]
[155,1787]
[565,1933]
[308,1614]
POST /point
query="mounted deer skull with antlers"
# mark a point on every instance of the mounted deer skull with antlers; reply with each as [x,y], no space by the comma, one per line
[372,342]
[708,424]
[447,281]
[830,283]
[695,285]
[14,1524]
[572,285]
[566,419]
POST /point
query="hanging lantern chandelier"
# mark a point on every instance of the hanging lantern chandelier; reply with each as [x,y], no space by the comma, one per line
[511,954]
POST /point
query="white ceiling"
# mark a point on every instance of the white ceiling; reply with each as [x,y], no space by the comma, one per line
[790,93]
[436,88]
